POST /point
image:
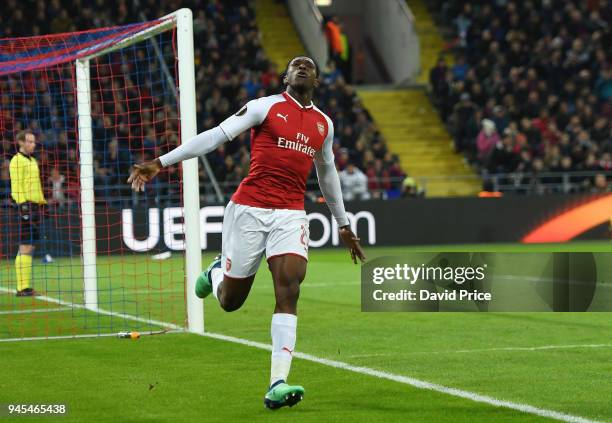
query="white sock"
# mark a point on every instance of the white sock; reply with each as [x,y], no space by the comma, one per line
[283,330]
[216,277]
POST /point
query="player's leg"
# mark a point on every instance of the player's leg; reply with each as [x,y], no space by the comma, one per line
[232,292]
[288,272]
[287,251]
[230,276]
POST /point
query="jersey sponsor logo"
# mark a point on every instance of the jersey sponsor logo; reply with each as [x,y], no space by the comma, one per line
[303,138]
[241,111]
[321,128]
[283,117]
[297,145]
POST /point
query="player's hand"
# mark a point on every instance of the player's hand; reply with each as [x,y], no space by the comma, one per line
[352,242]
[143,173]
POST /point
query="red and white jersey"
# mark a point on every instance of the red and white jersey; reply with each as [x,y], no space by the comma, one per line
[285,138]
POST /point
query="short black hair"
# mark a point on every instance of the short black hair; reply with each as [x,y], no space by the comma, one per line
[291,60]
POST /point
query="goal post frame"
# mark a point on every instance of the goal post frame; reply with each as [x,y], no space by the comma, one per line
[183,20]
[86,176]
[191,180]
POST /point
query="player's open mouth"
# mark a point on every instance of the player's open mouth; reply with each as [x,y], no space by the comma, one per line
[302,75]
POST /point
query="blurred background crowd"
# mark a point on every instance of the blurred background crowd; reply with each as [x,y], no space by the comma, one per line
[525,89]
[530,90]
[231,69]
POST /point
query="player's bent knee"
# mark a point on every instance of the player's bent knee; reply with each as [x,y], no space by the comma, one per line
[230,304]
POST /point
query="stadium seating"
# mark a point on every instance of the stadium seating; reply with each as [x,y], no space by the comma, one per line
[540,73]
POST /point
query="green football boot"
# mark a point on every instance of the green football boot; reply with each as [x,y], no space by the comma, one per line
[281,395]
[203,283]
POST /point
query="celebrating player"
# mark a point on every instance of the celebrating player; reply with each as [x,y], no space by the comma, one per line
[26,191]
[266,213]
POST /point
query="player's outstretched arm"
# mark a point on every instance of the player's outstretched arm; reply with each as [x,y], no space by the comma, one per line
[250,115]
[329,182]
[201,144]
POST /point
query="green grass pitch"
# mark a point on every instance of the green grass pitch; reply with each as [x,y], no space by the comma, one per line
[184,377]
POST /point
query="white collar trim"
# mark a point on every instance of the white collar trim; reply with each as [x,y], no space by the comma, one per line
[298,103]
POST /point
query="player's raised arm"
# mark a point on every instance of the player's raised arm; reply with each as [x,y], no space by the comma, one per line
[248,116]
[329,182]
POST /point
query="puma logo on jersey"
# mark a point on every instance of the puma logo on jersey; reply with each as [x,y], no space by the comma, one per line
[283,117]
[287,349]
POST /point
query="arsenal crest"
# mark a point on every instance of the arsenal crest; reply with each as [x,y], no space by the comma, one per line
[321,128]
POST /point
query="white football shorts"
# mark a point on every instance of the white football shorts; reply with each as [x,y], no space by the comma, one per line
[249,232]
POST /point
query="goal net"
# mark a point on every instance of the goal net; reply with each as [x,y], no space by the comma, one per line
[105,259]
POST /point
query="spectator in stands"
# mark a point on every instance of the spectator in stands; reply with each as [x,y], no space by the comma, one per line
[57,181]
[378,179]
[463,113]
[503,158]
[460,69]
[603,86]
[354,183]
[5,181]
[601,184]
[345,62]
[331,73]
[487,139]
[333,33]
[410,188]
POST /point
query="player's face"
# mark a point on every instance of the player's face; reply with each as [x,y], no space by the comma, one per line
[302,73]
[29,144]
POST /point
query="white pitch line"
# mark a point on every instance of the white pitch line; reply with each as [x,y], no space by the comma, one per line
[102,311]
[33,310]
[417,383]
[42,338]
[542,347]
[80,335]
[539,348]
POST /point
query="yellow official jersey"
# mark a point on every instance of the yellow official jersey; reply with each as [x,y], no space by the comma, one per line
[25,180]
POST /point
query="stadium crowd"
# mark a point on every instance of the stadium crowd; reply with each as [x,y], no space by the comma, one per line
[231,69]
[530,91]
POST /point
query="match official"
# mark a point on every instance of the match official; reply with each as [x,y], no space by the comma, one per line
[26,191]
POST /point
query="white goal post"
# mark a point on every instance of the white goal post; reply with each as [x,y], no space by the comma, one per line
[182,19]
